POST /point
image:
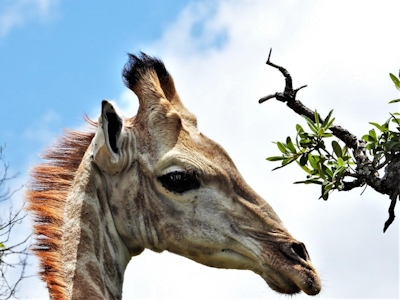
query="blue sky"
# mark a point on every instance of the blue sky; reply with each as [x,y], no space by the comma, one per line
[59,59]
[64,61]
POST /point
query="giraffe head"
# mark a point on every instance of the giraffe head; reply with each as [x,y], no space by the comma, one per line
[171,188]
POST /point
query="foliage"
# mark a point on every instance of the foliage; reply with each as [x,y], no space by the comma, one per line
[396,82]
[13,255]
[328,162]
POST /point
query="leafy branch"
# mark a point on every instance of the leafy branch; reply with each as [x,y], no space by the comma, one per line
[325,164]
[346,162]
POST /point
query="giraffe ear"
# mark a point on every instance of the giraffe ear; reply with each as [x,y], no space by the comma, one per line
[106,146]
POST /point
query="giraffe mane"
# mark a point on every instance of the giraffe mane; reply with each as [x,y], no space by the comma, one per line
[50,183]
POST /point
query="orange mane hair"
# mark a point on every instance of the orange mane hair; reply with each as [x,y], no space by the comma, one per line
[50,184]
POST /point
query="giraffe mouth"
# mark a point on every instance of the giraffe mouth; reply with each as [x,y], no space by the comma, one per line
[293,281]
[290,270]
[228,251]
[287,269]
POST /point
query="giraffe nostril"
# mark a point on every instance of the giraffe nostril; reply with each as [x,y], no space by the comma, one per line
[296,251]
[300,250]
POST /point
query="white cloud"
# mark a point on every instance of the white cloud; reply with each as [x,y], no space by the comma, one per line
[344,52]
[128,103]
[16,13]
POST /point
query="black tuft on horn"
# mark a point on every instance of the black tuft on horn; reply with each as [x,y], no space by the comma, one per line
[137,66]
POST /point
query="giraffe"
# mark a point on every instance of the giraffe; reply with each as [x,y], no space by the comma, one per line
[153,181]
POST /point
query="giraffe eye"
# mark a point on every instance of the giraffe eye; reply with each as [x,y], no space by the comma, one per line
[179,181]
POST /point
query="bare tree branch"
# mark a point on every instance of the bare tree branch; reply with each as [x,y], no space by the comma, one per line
[13,255]
[349,185]
[392,216]
[289,96]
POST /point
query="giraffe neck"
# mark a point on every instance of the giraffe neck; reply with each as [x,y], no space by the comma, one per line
[94,255]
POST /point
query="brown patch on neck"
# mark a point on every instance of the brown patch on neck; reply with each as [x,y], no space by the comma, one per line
[49,187]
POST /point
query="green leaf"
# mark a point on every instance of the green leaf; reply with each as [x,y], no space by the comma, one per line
[313,161]
[316,117]
[305,168]
[285,162]
[322,173]
[288,161]
[326,135]
[281,147]
[370,146]
[275,158]
[2,246]
[385,126]
[330,123]
[325,190]
[394,101]
[365,137]
[303,135]
[327,120]
[305,143]
[328,172]
[345,149]
[372,134]
[337,149]
[395,80]
[299,128]
[311,124]
[377,126]
[339,172]
[289,145]
[341,162]
[303,160]
[396,120]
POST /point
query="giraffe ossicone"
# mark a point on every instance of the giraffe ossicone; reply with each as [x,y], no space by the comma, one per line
[152,181]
